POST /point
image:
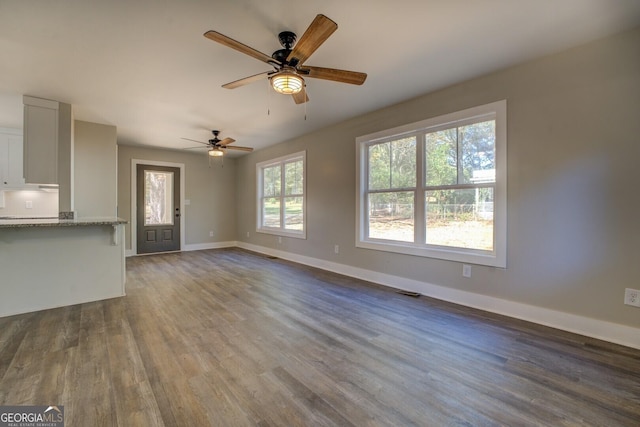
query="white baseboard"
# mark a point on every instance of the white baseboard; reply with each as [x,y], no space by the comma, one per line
[599,329]
[213,245]
[195,247]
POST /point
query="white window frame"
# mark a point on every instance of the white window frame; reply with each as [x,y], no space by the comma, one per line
[498,256]
[281,161]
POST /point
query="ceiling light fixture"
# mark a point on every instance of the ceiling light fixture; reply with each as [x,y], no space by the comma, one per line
[287,82]
[216,152]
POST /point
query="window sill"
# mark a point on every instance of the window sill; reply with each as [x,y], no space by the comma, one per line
[467,256]
[283,233]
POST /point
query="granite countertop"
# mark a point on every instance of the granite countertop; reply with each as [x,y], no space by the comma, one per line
[55,222]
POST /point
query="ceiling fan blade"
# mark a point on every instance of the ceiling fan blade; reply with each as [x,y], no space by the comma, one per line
[319,31]
[342,76]
[246,80]
[227,141]
[300,97]
[193,148]
[193,140]
[240,47]
[235,147]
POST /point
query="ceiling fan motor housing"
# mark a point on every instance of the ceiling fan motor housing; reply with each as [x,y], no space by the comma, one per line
[215,139]
[281,55]
[287,40]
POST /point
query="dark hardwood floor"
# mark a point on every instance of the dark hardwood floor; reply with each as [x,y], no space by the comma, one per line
[229,337]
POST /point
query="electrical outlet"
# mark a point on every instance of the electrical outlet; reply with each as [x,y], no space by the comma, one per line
[632,297]
[28,204]
[336,249]
[247,234]
[211,234]
[279,239]
[466,270]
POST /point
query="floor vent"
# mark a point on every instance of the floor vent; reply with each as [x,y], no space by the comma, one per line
[272,257]
[409,294]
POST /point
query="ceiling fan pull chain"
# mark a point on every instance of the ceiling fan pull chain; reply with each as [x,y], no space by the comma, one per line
[268,99]
[304,89]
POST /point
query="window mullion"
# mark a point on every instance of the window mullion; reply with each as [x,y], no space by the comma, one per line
[419,214]
[460,173]
[457,187]
[390,166]
[282,193]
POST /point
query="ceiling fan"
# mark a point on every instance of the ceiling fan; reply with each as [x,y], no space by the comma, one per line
[288,63]
[217,146]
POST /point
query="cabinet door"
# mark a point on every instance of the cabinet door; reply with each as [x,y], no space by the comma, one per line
[40,144]
[11,159]
[15,176]
[4,160]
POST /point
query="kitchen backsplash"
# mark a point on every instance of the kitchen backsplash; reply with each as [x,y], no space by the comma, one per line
[31,203]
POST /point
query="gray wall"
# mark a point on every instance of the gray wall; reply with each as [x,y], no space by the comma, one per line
[573,146]
[95,179]
[210,188]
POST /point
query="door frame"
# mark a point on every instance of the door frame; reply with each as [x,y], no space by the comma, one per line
[134,203]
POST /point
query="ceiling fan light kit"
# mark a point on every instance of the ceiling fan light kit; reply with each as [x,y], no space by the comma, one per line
[216,152]
[286,82]
[286,78]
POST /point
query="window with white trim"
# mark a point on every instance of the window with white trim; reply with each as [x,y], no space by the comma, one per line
[436,188]
[281,196]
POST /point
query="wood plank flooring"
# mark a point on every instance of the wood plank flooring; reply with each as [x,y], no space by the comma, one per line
[232,338]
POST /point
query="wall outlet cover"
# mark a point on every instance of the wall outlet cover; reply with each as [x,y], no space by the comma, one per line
[632,297]
[466,270]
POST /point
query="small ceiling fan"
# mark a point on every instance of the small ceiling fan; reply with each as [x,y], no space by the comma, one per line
[217,146]
[288,63]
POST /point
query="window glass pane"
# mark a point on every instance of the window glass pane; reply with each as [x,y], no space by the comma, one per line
[393,164]
[478,152]
[280,196]
[293,178]
[403,163]
[271,212]
[460,218]
[391,216]
[441,154]
[380,166]
[293,213]
[271,181]
[158,198]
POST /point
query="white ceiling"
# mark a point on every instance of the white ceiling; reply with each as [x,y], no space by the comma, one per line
[145,67]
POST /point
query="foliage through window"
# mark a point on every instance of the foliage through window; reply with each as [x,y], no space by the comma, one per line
[158,198]
[437,188]
[281,196]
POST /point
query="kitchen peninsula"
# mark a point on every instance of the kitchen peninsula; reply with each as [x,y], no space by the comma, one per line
[51,262]
[47,263]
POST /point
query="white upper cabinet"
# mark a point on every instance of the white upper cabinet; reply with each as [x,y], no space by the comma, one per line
[11,176]
[40,140]
[48,144]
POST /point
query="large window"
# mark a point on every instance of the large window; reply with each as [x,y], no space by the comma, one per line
[281,196]
[436,188]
